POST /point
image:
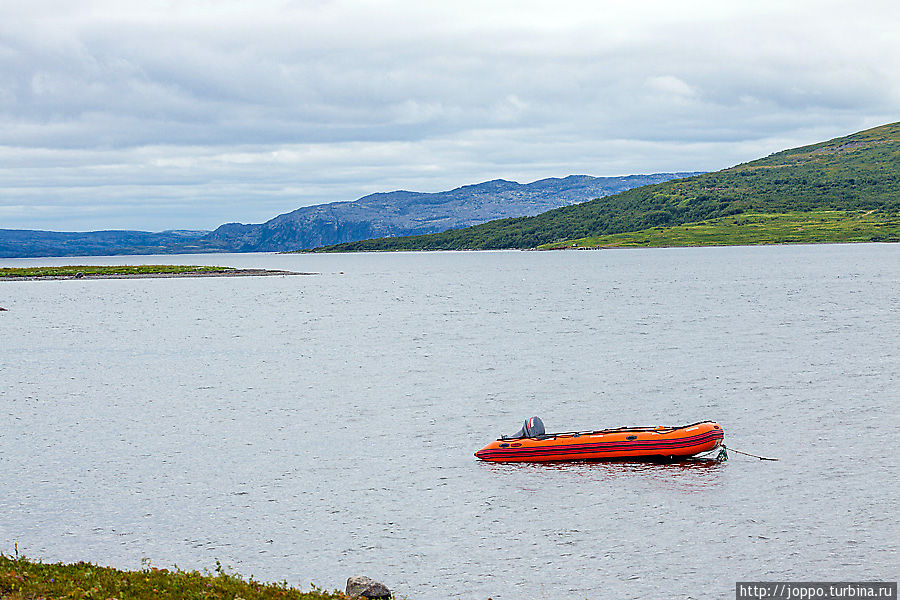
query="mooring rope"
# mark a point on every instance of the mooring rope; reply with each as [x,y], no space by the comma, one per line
[747,453]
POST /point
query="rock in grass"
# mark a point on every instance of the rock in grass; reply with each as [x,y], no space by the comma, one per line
[360,586]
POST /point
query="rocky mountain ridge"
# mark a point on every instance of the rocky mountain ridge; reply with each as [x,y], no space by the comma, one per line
[383,214]
[401,213]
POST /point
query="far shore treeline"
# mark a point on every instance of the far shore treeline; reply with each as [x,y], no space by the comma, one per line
[843,190]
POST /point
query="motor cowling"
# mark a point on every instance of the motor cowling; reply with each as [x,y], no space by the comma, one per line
[533,427]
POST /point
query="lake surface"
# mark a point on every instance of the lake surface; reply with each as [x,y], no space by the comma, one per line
[310,428]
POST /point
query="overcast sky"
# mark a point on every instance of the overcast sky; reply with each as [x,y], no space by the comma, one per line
[121,114]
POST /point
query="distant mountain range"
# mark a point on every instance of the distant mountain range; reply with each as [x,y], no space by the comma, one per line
[858,174]
[413,213]
[400,213]
[23,243]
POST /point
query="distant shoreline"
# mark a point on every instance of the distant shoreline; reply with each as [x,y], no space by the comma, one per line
[222,272]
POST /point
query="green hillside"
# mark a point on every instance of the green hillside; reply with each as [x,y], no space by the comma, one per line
[859,172]
[751,229]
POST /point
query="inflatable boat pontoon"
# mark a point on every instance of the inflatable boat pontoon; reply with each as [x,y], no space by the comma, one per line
[531,444]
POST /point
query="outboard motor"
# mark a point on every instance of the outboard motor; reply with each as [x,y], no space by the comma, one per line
[533,427]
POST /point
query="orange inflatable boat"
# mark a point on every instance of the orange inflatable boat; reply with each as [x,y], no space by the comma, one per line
[531,444]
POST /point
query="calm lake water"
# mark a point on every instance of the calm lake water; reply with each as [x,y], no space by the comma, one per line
[310,428]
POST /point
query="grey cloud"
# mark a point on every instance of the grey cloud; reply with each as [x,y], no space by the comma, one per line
[252,114]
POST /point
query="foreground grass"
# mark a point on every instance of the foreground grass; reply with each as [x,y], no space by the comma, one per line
[22,579]
[750,229]
[72,270]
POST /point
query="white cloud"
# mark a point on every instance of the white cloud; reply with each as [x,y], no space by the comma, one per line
[204,112]
[670,86]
